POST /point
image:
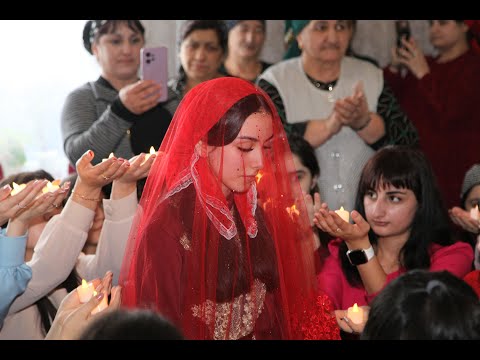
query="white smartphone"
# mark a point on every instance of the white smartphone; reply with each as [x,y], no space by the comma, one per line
[154,66]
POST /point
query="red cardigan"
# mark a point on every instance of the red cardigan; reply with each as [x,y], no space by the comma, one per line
[444,106]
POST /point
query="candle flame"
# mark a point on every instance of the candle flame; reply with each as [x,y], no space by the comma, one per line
[51,186]
[94,293]
[152,150]
[355,308]
[258,177]
[84,283]
[292,210]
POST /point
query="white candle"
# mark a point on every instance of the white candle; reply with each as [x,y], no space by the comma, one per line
[51,186]
[17,188]
[355,313]
[152,151]
[474,213]
[85,291]
[100,307]
[110,156]
[344,214]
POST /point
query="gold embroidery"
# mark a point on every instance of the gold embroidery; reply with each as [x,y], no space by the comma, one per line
[185,242]
[237,317]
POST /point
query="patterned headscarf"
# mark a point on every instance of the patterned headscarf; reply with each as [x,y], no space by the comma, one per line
[92,27]
[292,29]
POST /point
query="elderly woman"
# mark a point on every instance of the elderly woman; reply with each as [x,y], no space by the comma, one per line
[245,43]
[337,103]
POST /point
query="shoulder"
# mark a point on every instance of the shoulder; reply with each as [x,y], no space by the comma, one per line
[458,248]
[366,67]
[86,90]
[280,67]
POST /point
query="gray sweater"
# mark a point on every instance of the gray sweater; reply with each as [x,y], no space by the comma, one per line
[88,122]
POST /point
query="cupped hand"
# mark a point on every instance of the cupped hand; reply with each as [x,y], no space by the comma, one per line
[97,176]
[11,205]
[462,218]
[330,222]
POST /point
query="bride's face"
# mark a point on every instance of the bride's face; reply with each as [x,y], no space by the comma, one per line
[237,163]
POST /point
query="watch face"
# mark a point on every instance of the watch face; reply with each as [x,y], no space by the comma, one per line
[357,257]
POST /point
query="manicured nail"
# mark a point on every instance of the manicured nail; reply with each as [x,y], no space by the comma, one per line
[7,187]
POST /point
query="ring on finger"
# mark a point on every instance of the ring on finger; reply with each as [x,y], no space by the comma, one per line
[338,230]
[105,177]
[56,206]
[21,206]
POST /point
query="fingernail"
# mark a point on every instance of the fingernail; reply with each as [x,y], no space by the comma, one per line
[7,187]
[100,296]
[90,153]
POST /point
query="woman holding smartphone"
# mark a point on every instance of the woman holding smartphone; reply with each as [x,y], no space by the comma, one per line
[118,112]
[440,95]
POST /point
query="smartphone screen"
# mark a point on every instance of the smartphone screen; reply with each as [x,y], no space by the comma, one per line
[402,28]
[154,66]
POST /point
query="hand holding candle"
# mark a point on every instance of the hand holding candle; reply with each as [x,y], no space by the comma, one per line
[147,156]
[85,291]
[344,214]
[355,313]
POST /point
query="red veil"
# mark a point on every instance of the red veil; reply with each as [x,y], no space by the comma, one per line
[218,268]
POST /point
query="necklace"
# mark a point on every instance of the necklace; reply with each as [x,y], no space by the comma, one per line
[324,86]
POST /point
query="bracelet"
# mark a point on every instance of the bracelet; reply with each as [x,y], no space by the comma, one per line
[85,198]
[364,125]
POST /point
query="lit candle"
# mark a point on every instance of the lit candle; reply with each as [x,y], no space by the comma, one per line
[258,177]
[152,151]
[292,210]
[100,307]
[355,313]
[17,188]
[344,214]
[109,157]
[474,213]
[85,291]
[51,186]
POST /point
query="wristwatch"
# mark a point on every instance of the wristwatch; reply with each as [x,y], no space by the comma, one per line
[360,256]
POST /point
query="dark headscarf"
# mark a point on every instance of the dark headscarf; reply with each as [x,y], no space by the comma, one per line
[230,24]
[92,27]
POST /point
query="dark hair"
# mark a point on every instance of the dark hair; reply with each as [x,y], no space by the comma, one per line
[408,168]
[190,26]
[45,307]
[230,24]
[138,324]
[94,29]
[423,305]
[229,125]
[306,153]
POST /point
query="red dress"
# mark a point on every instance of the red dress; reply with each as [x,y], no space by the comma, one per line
[444,107]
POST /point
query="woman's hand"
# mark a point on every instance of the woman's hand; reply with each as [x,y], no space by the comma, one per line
[11,205]
[347,325]
[141,96]
[330,222]
[462,218]
[73,317]
[353,110]
[411,56]
[139,168]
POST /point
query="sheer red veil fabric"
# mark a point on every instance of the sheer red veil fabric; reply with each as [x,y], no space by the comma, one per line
[225,267]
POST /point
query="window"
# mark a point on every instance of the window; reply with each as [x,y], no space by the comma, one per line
[41,62]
